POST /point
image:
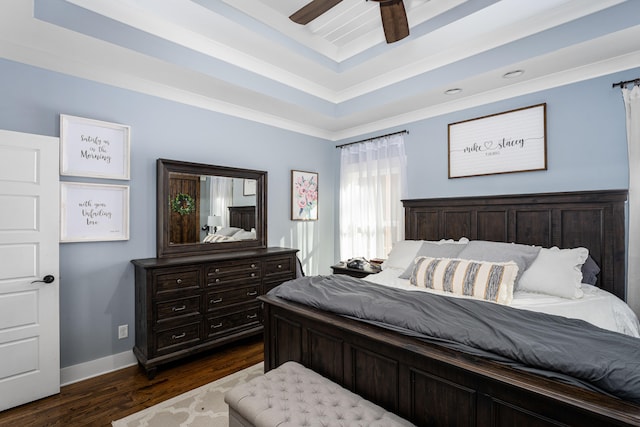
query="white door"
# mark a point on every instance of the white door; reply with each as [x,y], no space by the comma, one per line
[29,224]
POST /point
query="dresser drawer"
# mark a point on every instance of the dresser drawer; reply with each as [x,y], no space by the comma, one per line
[178,308]
[278,266]
[179,337]
[245,317]
[224,297]
[233,272]
[177,280]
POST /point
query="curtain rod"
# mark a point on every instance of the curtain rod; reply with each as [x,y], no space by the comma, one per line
[621,84]
[369,139]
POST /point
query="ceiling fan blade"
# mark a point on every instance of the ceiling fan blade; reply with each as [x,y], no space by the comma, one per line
[312,10]
[394,20]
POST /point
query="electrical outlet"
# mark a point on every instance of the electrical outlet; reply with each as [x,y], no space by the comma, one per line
[123,331]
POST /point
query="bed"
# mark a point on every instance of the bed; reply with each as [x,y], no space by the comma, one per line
[230,234]
[242,223]
[433,383]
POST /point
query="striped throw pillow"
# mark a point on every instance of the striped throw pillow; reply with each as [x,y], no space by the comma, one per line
[490,281]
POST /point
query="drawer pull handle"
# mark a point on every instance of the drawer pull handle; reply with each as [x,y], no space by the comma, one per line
[253,266]
[177,337]
[252,293]
[182,307]
[217,280]
[215,301]
[279,265]
[179,281]
[252,316]
[217,270]
[219,325]
[253,274]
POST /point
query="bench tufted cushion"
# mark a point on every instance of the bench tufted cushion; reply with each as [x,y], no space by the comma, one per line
[292,395]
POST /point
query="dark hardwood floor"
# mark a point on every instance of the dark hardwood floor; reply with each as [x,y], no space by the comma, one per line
[101,400]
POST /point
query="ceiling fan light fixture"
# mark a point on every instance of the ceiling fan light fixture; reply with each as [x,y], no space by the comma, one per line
[513,74]
[453,91]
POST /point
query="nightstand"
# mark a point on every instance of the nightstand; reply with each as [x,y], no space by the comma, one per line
[341,268]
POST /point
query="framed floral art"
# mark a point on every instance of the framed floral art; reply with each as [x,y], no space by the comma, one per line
[304,196]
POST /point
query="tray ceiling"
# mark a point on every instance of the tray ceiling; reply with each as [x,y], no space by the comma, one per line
[334,78]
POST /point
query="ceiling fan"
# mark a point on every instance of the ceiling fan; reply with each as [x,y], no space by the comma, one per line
[394,17]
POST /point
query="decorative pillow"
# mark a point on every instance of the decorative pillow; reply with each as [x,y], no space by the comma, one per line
[402,254]
[590,271]
[555,272]
[483,250]
[227,231]
[213,238]
[490,281]
[441,249]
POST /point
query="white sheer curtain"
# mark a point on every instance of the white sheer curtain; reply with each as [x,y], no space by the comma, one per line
[632,106]
[221,197]
[372,185]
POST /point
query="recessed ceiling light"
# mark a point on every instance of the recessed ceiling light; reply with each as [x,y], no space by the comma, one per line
[452,91]
[513,74]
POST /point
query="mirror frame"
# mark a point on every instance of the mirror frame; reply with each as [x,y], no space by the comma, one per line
[164,168]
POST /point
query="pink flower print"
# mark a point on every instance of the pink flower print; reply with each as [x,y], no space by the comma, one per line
[306,195]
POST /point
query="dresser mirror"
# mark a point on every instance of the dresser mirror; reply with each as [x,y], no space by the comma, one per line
[204,209]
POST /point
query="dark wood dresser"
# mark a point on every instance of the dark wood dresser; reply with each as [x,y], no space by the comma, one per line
[186,305]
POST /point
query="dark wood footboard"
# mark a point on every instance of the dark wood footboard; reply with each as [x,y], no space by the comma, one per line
[425,383]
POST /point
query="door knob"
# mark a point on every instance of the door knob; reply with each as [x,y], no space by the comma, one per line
[46,279]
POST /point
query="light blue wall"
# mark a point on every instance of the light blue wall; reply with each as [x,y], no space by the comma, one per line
[586,150]
[586,145]
[96,279]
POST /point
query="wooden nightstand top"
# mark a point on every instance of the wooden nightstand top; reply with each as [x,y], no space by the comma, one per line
[341,268]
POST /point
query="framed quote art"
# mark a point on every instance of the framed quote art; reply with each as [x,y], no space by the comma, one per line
[93,148]
[513,141]
[304,196]
[93,212]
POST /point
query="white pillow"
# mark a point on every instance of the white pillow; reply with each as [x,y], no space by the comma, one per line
[244,235]
[555,272]
[227,231]
[402,254]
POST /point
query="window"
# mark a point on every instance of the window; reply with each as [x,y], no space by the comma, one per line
[372,185]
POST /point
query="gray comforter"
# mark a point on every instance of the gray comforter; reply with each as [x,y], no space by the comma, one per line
[565,349]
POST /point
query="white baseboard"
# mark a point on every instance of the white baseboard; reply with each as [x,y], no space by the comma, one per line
[93,368]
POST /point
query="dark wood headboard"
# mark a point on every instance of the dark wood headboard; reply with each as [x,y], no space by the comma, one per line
[243,217]
[591,219]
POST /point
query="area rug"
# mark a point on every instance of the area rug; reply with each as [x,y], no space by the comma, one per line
[203,406]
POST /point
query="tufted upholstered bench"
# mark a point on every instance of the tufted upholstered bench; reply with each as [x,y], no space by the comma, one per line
[294,396]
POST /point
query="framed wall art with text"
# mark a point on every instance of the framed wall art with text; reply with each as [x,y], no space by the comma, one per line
[512,141]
